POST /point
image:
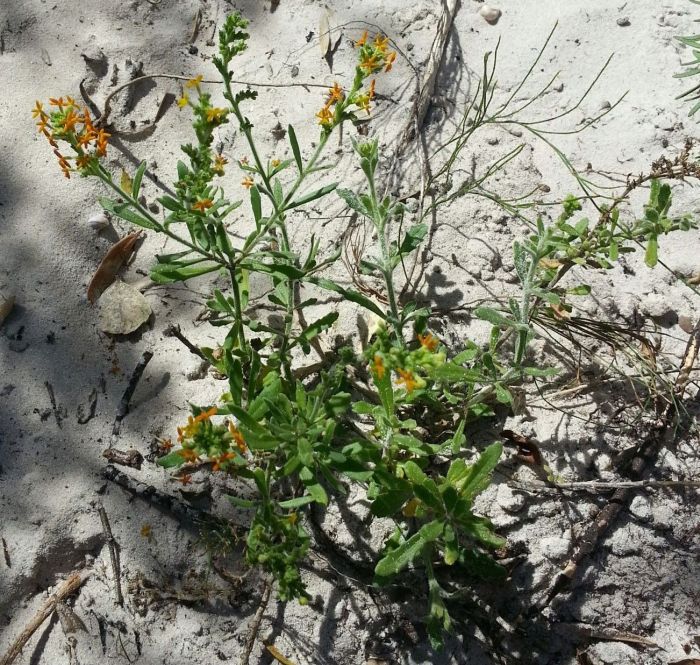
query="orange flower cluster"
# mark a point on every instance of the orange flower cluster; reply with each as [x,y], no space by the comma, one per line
[428,342]
[189,430]
[376,55]
[74,125]
[408,379]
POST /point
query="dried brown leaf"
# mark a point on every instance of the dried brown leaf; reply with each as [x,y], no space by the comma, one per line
[111,264]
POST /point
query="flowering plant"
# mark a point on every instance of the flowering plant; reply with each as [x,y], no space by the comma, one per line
[299,437]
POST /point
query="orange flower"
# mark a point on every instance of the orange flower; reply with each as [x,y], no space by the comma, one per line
[87,120]
[70,120]
[57,102]
[186,479]
[390,61]
[221,460]
[237,437]
[102,137]
[275,163]
[325,117]
[370,64]
[381,43]
[86,138]
[194,82]
[429,342]
[247,182]
[406,377]
[38,111]
[378,366]
[192,426]
[83,161]
[166,445]
[335,94]
[188,454]
[202,205]
[362,40]
[372,83]
[183,101]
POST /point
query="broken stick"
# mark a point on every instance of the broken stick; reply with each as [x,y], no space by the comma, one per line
[123,407]
[64,590]
[113,554]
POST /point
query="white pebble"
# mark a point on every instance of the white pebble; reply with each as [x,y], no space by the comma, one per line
[490,14]
[98,222]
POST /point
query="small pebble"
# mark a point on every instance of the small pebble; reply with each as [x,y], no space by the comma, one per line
[98,222]
[624,21]
[193,50]
[686,323]
[490,14]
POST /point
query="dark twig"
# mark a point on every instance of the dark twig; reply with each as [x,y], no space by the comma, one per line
[6,553]
[255,623]
[54,407]
[123,408]
[174,331]
[113,554]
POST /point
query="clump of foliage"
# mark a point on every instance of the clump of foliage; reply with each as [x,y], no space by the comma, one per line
[299,441]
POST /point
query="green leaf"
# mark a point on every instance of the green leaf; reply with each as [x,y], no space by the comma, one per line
[171,460]
[256,203]
[452,373]
[297,503]
[169,273]
[295,148]
[651,256]
[241,503]
[580,290]
[317,327]
[348,294]
[494,317]
[170,203]
[138,177]
[389,503]
[124,211]
[354,202]
[398,558]
[413,238]
[540,371]
[306,452]
[480,528]
[318,493]
[312,196]
[478,477]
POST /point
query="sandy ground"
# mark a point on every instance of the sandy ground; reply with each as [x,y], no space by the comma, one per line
[643,579]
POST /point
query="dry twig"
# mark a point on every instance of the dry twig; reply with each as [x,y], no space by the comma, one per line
[123,407]
[64,590]
[113,554]
[255,623]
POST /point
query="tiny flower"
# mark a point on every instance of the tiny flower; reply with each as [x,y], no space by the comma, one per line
[335,94]
[38,111]
[243,161]
[325,117]
[166,445]
[275,163]
[86,138]
[216,115]
[247,182]
[57,102]
[194,82]
[220,461]
[70,121]
[370,92]
[183,101]
[390,61]
[292,518]
[406,377]
[102,137]
[83,161]
[188,454]
[146,530]
[370,64]
[237,437]
[186,479]
[219,162]
[381,43]
[378,366]
[429,342]
[362,40]
[202,205]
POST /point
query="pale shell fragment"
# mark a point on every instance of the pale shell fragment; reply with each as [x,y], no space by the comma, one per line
[123,309]
[98,222]
[490,14]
